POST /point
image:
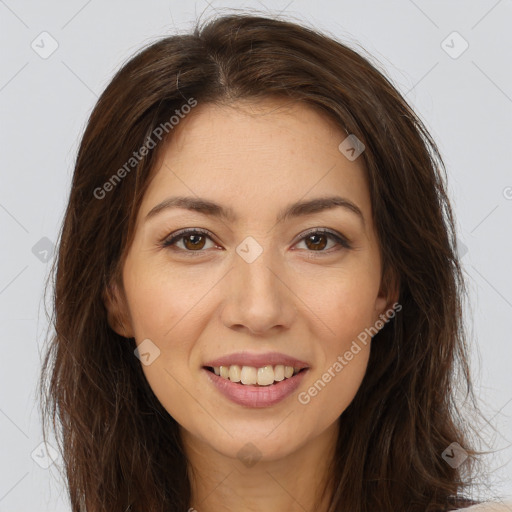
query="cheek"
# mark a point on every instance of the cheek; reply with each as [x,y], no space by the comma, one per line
[343,360]
[164,302]
[167,308]
[344,305]
[344,313]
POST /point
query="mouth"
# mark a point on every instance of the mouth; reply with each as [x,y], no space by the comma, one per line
[255,387]
[264,376]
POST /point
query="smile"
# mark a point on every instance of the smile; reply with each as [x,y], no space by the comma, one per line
[255,395]
[252,376]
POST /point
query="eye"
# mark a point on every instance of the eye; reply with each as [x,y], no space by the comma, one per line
[316,240]
[194,240]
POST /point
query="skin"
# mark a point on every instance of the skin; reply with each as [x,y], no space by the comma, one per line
[256,159]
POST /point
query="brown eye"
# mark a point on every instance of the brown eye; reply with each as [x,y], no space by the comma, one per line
[193,241]
[189,241]
[316,242]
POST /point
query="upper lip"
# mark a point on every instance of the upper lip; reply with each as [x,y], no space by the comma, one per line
[257,360]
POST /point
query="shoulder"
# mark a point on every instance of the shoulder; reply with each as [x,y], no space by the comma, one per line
[489,506]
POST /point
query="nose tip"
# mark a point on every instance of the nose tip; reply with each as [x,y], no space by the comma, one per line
[257,299]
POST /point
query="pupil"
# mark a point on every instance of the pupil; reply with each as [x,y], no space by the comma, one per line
[311,237]
[197,241]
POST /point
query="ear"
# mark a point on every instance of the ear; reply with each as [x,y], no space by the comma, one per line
[389,293]
[117,311]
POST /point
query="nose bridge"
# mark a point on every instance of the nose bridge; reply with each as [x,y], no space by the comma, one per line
[255,282]
[257,299]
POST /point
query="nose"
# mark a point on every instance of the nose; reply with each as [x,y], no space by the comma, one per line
[258,297]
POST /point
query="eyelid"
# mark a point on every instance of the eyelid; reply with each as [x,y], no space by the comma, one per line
[169,240]
[342,241]
[186,231]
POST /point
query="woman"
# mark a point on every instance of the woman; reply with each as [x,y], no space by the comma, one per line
[258,296]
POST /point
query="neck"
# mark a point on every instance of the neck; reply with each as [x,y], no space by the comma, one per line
[294,483]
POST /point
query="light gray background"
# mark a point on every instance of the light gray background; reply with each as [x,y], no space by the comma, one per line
[466,102]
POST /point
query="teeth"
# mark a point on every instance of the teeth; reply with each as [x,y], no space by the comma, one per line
[235,373]
[249,375]
[279,372]
[265,376]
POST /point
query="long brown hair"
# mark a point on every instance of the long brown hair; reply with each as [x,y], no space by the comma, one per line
[121,449]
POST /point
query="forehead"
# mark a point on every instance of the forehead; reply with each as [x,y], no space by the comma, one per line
[256,154]
[257,121]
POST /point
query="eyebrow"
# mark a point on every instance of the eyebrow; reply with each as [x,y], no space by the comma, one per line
[300,208]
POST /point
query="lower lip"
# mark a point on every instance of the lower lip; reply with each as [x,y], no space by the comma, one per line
[256,396]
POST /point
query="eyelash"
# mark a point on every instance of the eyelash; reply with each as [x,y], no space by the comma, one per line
[170,241]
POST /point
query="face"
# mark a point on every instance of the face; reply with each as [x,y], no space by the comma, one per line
[255,287]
